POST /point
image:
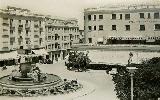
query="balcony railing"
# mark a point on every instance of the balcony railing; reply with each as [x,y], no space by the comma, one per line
[41,29]
[36,33]
[36,46]
[12,39]
[12,35]
[5,22]
[20,27]
[4,36]
[27,26]
[27,36]
[12,27]
[5,28]
[5,32]
[36,36]
[5,40]
[20,39]
[36,25]
[5,48]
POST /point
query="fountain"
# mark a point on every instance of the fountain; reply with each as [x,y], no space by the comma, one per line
[30,81]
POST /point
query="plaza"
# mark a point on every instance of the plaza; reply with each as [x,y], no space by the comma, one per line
[76,50]
[96,84]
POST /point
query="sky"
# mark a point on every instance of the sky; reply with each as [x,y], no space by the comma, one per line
[67,8]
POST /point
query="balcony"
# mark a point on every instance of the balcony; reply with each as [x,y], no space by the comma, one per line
[27,37]
[36,46]
[12,28]
[5,23]
[57,49]
[20,27]
[12,35]
[20,39]
[5,40]
[65,42]
[36,30]
[27,26]
[12,39]
[49,31]
[41,35]
[36,36]
[4,36]
[41,29]
[36,25]
[57,40]
[36,33]
[5,32]
[29,46]
[63,48]
[5,28]
[5,48]
[49,41]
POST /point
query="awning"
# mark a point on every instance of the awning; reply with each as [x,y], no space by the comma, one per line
[126,37]
[100,40]
[40,52]
[9,56]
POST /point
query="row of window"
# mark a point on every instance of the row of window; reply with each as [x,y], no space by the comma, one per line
[26,21]
[37,23]
[126,16]
[57,46]
[141,15]
[63,29]
[127,27]
[119,38]
[56,37]
[95,28]
[94,17]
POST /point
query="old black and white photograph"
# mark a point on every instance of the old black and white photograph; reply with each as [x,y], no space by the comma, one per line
[79,49]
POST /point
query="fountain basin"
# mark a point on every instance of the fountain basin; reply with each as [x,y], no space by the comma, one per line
[51,86]
[20,88]
[17,84]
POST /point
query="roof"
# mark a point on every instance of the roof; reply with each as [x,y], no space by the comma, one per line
[123,9]
[14,11]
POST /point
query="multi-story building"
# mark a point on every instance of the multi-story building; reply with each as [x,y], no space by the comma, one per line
[136,24]
[24,31]
[60,35]
[21,29]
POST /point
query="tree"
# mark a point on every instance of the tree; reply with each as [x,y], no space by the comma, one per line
[146,81]
[78,60]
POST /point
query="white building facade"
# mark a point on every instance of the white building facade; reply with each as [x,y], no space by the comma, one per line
[137,24]
[60,35]
[21,29]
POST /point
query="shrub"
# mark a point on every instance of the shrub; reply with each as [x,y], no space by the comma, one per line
[78,60]
[146,81]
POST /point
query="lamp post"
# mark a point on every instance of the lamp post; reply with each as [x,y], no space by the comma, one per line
[131,71]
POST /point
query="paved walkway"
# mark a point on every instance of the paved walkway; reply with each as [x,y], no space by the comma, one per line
[96,84]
